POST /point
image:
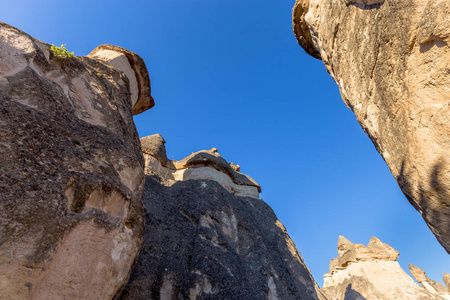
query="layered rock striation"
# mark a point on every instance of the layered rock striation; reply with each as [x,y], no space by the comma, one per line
[208,237]
[391,60]
[205,164]
[72,171]
[372,272]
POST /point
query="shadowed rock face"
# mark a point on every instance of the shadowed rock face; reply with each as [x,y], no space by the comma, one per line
[372,272]
[71,176]
[203,241]
[391,62]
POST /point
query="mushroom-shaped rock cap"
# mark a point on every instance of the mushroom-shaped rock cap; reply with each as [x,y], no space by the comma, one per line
[134,68]
[153,145]
[301,28]
[212,158]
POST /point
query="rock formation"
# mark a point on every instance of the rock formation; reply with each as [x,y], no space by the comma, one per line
[446,279]
[371,272]
[430,285]
[391,62]
[208,236]
[71,177]
[206,164]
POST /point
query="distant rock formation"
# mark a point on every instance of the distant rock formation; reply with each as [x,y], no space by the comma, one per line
[205,164]
[430,285]
[208,236]
[372,272]
[72,172]
[391,62]
[446,279]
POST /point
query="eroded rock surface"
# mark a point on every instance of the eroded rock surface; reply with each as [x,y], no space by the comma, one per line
[371,272]
[350,253]
[430,285]
[72,172]
[391,60]
[205,164]
[446,279]
[204,241]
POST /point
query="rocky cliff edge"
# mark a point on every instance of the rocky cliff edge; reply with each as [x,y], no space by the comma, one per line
[72,171]
[391,60]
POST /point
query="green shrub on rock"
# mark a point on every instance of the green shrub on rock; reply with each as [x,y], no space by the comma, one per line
[61,52]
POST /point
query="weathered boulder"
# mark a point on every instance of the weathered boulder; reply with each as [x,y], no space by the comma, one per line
[204,240]
[72,172]
[370,272]
[391,60]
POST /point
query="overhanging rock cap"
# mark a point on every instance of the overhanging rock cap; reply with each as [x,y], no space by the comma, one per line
[144,98]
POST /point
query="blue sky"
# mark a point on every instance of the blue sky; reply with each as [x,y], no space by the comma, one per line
[230,74]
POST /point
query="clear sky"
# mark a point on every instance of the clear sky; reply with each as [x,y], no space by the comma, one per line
[229,74]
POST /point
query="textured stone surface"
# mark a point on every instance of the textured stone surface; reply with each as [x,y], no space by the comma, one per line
[134,68]
[350,253]
[417,273]
[370,272]
[71,177]
[429,284]
[205,242]
[391,62]
[446,279]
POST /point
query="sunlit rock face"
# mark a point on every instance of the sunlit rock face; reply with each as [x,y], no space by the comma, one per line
[371,272]
[430,285]
[446,279]
[391,62]
[205,164]
[205,239]
[72,173]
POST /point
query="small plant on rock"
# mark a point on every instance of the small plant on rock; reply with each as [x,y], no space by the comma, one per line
[61,52]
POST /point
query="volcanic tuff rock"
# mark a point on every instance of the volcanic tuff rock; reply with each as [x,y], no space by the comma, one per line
[370,272]
[204,240]
[350,253]
[446,279]
[72,171]
[430,285]
[391,60]
[205,164]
